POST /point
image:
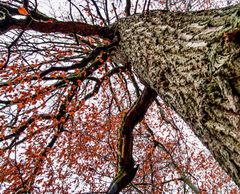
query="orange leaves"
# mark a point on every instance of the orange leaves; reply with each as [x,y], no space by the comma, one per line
[20,105]
[56,75]
[23,11]
[1,136]
[18,79]
[63,74]
[233,191]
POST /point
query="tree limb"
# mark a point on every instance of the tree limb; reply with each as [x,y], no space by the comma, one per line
[126,167]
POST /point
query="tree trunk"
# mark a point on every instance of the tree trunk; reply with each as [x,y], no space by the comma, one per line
[192,60]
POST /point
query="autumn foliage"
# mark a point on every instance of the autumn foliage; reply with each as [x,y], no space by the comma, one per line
[63,101]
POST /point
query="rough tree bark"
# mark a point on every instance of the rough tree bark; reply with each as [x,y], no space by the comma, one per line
[192,60]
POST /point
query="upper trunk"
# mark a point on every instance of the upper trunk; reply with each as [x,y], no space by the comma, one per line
[192,60]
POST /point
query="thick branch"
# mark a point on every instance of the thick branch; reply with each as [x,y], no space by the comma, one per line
[80,28]
[42,23]
[128,7]
[126,168]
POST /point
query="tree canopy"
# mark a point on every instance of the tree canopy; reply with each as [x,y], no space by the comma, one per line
[75,116]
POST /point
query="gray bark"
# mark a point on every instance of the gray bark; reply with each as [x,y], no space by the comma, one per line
[192,60]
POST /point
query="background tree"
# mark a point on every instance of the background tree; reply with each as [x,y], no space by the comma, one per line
[74,115]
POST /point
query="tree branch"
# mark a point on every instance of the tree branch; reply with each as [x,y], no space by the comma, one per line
[80,28]
[128,8]
[41,23]
[126,168]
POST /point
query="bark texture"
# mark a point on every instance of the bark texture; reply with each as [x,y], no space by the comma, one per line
[192,60]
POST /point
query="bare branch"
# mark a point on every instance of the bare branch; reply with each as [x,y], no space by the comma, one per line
[128,8]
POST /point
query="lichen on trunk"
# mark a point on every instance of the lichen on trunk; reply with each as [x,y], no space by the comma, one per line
[192,60]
